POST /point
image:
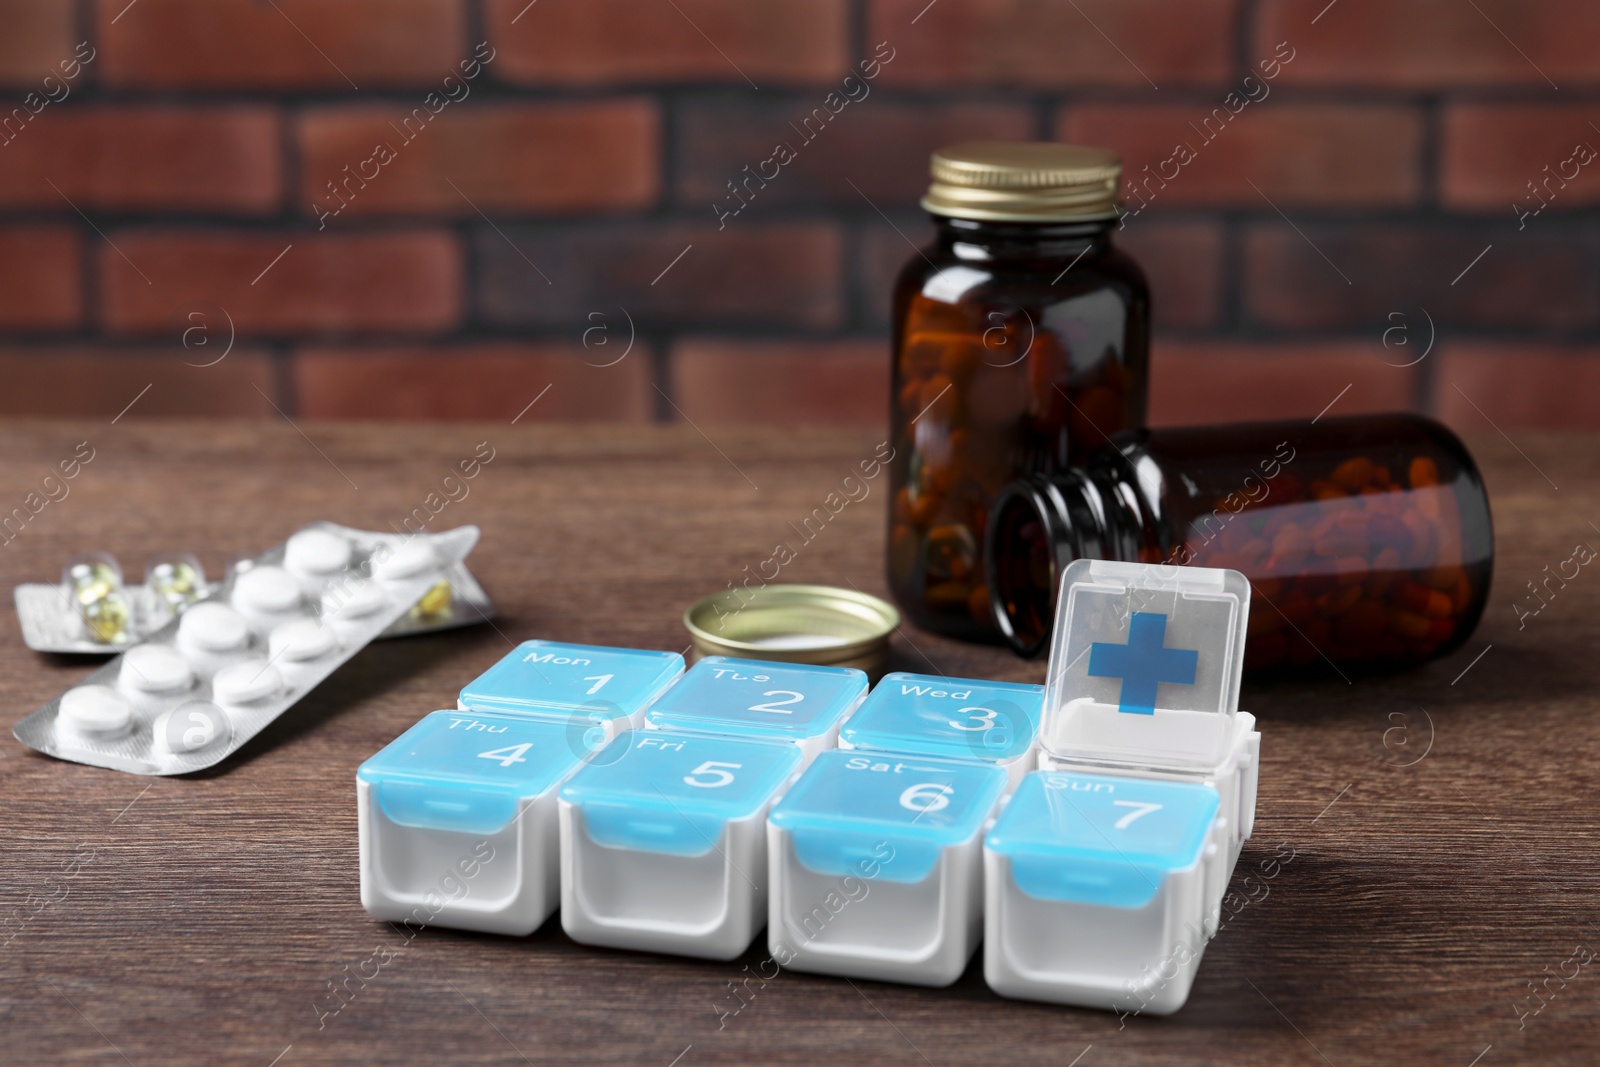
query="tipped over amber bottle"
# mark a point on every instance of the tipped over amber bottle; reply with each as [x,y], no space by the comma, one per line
[1020,345]
[1367,540]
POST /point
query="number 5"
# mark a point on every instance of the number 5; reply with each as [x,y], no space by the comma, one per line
[718,771]
[1139,811]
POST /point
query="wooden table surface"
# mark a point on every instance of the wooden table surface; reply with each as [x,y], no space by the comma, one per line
[1442,822]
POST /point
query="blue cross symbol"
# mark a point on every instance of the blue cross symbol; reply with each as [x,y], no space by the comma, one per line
[1143,662]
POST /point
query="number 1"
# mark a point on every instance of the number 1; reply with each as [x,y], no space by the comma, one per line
[599,681]
[1139,811]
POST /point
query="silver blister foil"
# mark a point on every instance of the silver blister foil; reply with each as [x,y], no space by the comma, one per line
[51,622]
[196,690]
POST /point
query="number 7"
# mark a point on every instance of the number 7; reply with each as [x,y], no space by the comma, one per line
[1140,810]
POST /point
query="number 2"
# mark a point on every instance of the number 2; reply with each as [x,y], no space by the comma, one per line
[983,719]
[508,755]
[1139,811]
[599,681]
[776,707]
[718,770]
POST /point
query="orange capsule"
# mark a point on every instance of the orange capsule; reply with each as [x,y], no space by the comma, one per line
[1424,472]
[1353,473]
[1327,491]
[960,358]
[1412,595]
[909,392]
[924,508]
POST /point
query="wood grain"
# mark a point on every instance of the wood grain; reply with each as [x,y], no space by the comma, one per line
[204,917]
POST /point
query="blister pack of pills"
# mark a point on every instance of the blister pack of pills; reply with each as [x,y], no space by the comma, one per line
[1084,831]
[213,677]
[93,611]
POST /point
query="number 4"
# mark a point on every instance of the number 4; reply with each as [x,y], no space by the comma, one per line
[1139,811]
[508,755]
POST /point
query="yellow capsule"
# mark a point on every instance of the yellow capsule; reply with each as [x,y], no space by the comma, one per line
[435,601]
[106,619]
[93,579]
[176,580]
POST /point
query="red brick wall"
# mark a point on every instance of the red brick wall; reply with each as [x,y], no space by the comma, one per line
[203,173]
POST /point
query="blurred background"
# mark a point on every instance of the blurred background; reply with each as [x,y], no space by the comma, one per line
[381,209]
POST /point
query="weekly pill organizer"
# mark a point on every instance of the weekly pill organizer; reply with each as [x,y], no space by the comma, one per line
[1082,832]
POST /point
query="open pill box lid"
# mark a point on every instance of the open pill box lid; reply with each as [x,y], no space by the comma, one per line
[1145,664]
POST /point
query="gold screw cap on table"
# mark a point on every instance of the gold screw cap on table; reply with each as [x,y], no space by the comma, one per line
[816,624]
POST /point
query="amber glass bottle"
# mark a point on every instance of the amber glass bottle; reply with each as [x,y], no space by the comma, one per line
[1367,540]
[1020,344]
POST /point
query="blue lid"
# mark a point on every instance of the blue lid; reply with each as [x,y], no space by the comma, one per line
[545,677]
[754,698]
[469,771]
[1100,840]
[954,717]
[852,812]
[655,791]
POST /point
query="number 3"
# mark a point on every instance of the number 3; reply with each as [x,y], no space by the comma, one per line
[718,771]
[983,721]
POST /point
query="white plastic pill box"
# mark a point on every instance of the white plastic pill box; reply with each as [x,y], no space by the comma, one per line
[877,835]
[483,780]
[663,842]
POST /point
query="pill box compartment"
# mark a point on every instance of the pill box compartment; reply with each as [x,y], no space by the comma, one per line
[950,718]
[1095,889]
[598,692]
[795,703]
[663,842]
[875,866]
[458,822]
[1144,676]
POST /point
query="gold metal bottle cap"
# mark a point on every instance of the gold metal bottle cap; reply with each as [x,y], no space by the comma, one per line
[1011,181]
[816,624]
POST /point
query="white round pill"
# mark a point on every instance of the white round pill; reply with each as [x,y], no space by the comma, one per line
[266,588]
[407,561]
[245,683]
[190,727]
[214,628]
[96,711]
[155,669]
[316,552]
[300,640]
[354,600]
